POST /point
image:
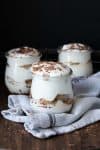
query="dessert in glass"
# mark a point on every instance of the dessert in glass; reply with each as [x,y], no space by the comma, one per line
[18,76]
[51,89]
[78,57]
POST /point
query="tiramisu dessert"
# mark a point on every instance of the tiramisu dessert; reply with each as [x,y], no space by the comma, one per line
[51,89]
[18,76]
[78,57]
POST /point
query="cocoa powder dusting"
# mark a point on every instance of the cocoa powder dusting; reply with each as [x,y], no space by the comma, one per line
[25,50]
[47,66]
[76,46]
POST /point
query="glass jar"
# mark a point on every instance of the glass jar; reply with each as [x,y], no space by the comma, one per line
[78,57]
[51,89]
[18,76]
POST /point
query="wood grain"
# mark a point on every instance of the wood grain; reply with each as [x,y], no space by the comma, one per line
[14,137]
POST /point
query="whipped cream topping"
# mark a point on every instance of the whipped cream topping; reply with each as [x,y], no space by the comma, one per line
[50,68]
[23,51]
[75,46]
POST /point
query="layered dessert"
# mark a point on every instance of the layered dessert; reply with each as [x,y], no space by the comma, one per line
[51,89]
[78,57]
[18,76]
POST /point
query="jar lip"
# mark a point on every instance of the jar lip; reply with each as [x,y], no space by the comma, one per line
[19,52]
[77,47]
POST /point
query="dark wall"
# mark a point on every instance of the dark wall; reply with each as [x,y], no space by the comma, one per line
[49,23]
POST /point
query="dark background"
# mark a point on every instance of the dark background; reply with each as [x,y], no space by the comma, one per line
[49,24]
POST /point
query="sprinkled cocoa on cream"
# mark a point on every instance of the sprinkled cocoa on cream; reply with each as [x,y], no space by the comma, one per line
[75,46]
[23,51]
[50,68]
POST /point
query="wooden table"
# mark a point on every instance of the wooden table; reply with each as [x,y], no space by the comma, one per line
[14,137]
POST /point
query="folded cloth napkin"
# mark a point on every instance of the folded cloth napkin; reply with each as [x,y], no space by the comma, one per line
[85,111]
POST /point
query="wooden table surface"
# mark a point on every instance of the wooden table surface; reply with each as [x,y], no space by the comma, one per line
[14,137]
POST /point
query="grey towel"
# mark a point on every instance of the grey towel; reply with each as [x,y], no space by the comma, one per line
[85,111]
